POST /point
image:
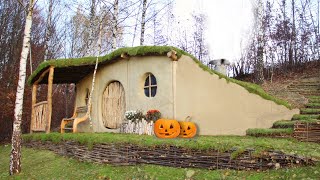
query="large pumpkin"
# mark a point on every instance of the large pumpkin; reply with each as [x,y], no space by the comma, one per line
[166,128]
[187,129]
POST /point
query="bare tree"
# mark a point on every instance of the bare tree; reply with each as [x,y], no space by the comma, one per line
[200,48]
[260,39]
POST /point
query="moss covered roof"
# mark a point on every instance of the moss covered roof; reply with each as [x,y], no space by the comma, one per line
[77,68]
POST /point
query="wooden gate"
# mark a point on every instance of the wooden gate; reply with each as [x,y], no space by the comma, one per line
[40,116]
[113,105]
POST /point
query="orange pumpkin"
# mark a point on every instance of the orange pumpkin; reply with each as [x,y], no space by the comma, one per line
[187,129]
[166,128]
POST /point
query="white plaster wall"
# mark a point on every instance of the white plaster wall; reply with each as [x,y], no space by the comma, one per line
[131,73]
[221,108]
[81,91]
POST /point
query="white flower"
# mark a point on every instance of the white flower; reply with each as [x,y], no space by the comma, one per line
[130,114]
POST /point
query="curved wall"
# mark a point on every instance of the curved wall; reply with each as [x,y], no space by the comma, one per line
[219,107]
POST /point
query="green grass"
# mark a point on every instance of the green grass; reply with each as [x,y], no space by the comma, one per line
[221,143]
[314,100]
[317,105]
[283,124]
[304,117]
[40,164]
[314,97]
[289,124]
[269,132]
[310,111]
[150,50]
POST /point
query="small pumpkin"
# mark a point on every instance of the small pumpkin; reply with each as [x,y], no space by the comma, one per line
[166,128]
[187,129]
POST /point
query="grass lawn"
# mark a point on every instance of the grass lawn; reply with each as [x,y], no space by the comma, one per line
[40,164]
[270,132]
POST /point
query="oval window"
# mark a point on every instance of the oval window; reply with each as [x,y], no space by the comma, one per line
[150,86]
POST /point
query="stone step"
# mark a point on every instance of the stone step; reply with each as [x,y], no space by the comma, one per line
[265,132]
[304,117]
[304,90]
[314,97]
[313,105]
[305,85]
[314,101]
[289,123]
[310,111]
[310,94]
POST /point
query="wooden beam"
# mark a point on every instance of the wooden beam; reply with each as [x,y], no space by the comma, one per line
[124,56]
[172,55]
[49,97]
[34,100]
[41,76]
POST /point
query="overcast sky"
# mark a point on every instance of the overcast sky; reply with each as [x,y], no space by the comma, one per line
[229,23]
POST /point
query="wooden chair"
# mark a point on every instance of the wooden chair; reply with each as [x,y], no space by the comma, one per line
[75,120]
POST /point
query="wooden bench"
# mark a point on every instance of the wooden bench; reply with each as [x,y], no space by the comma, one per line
[75,120]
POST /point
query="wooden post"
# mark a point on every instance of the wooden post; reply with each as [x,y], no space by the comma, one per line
[34,101]
[172,55]
[49,98]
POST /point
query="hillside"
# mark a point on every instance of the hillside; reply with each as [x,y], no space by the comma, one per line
[293,85]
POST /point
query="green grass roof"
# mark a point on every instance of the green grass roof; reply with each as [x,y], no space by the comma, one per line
[145,51]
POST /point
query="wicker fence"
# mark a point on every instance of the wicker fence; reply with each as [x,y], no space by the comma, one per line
[128,154]
[305,131]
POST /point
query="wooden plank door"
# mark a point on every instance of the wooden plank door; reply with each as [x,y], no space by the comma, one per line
[113,105]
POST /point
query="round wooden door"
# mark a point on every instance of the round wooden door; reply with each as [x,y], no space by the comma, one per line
[113,105]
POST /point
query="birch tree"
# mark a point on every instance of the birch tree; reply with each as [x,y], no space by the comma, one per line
[48,29]
[115,24]
[91,28]
[15,157]
[143,21]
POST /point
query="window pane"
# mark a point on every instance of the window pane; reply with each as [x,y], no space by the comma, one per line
[153,91]
[146,92]
[147,81]
[153,80]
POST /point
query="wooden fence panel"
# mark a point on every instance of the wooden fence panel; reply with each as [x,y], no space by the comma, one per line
[309,132]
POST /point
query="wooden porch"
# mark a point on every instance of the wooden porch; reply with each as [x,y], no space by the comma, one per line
[42,111]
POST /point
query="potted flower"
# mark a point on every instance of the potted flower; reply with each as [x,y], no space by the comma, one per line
[153,115]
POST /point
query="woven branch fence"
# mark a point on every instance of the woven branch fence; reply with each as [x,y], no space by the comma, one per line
[128,154]
[309,132]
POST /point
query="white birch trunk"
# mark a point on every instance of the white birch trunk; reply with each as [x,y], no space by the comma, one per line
[48,30]
[115,24]
[143,21]
[94,73]
[135,28]
[15,156]
[90,48]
